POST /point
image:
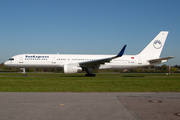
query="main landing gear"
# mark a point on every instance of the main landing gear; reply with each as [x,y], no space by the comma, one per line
[89,73]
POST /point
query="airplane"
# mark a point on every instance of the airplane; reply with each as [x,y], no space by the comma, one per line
[74,63]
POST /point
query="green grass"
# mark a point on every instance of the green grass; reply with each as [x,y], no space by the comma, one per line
[112,82]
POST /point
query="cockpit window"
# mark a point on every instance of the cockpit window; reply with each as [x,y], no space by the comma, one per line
[11,59]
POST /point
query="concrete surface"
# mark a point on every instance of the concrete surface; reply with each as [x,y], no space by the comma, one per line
[89,106]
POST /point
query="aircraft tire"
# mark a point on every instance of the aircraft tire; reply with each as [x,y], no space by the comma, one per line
[24,75]
[90,75]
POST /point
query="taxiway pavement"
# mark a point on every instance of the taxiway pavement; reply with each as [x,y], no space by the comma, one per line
[89,106]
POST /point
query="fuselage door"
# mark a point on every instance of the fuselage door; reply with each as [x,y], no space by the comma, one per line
[21,59]
[140,61]
[54,60]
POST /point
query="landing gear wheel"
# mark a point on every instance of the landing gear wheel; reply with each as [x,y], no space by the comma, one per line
[93,75]
[24,75]
[90,75]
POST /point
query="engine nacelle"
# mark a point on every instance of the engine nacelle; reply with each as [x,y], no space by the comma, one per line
[71,68]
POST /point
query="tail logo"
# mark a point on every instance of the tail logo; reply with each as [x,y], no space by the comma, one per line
[157,44]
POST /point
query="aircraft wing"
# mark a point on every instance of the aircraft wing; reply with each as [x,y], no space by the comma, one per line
[96,63]
[159,59]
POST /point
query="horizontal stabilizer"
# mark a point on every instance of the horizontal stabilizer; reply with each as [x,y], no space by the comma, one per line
[159,59]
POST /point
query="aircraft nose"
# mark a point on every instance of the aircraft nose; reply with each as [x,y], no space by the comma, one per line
[6,63]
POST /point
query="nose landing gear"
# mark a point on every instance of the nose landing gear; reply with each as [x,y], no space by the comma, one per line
[24,72]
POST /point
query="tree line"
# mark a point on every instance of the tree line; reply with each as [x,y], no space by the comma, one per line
[152,69]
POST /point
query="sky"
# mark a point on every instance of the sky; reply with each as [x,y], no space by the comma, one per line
[87,26]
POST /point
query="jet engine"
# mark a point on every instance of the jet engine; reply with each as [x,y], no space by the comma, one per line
[71,68]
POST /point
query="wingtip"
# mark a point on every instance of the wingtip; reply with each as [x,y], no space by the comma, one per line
[122,51]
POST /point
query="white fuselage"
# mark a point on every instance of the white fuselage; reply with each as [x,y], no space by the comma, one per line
[59,60]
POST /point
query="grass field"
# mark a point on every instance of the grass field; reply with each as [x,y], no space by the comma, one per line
[104,82]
